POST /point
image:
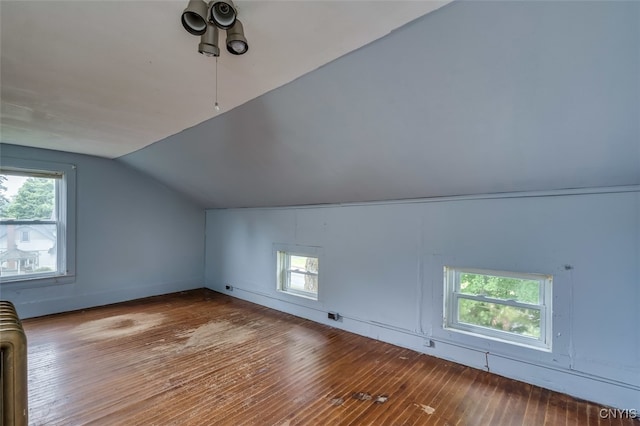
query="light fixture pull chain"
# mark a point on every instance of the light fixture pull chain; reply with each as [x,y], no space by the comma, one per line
[216,106]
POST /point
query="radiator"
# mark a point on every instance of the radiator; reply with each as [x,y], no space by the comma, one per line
[13,368]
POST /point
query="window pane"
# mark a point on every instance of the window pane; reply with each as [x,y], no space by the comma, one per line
[302,274]
[296,281]
[297,262]
[511,319]
[35,255]
[303,282]
[527,291]
[304,263]
[27,198]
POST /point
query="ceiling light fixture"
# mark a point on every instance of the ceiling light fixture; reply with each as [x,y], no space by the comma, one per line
[209,42]
[200,18]
[222,13]
[205,20]
[193,17]
[236,42]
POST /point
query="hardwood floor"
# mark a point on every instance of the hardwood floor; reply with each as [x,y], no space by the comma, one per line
[202,358]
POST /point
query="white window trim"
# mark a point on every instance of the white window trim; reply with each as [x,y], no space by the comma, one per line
[282,253]
[452,295]
[65,214]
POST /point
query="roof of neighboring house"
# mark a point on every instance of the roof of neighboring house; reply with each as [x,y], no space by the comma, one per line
[23,227]
[17,254]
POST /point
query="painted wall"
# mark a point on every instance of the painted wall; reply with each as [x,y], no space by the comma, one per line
[382,270]
[135,238]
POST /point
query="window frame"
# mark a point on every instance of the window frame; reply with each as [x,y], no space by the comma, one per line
[283,271]
[65,218]
[453,295]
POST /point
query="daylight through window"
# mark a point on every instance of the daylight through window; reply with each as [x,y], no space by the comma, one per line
[504,305]
[298,274]
[33,224]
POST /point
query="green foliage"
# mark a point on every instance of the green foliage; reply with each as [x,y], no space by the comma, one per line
[3,198]
[35,200]
[500,317]
[497,316]
[527,291]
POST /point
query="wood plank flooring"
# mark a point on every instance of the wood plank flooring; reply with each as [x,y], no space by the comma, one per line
[202,358]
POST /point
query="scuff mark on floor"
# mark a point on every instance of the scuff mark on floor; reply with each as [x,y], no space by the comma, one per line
[381,399]
[117,326]
[214,335]
[217,333]
[361,396]
[337,401]
[426,408]
[404,357]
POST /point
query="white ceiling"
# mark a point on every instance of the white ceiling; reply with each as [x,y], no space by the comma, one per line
[107,78]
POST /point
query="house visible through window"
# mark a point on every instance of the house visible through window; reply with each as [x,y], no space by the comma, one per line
[36,236]
[298,274]
[509,306]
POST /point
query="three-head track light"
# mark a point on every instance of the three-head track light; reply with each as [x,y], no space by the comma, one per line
[200,18]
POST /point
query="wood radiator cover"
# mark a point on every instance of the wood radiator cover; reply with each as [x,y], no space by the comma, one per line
[13,368]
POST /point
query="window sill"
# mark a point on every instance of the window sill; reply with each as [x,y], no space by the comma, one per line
[301,295]
[34,282]
[535,345]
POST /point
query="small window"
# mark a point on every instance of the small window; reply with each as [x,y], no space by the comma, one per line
[37,225]
[298,274]
[509,306]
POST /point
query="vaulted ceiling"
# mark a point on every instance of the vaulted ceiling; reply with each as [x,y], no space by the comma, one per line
[475,97]
[109,77]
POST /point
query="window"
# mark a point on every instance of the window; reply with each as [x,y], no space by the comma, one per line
[37,220]
[509,306]
[298,274]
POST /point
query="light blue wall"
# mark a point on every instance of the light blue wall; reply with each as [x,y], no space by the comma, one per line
[135,238]
[382,269]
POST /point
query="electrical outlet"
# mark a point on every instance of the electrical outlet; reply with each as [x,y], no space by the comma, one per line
[333,316]
[228,287]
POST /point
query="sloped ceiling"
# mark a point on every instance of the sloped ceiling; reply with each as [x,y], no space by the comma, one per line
[477,97]
[109,77]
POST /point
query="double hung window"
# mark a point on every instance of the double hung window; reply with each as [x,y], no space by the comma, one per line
[298,274]
[37,229]
[509,306]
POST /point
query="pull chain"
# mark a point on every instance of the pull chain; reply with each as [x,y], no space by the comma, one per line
[215,105]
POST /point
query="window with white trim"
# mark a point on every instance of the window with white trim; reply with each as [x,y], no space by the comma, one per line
[37,221]
[508,306]
[298,274]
